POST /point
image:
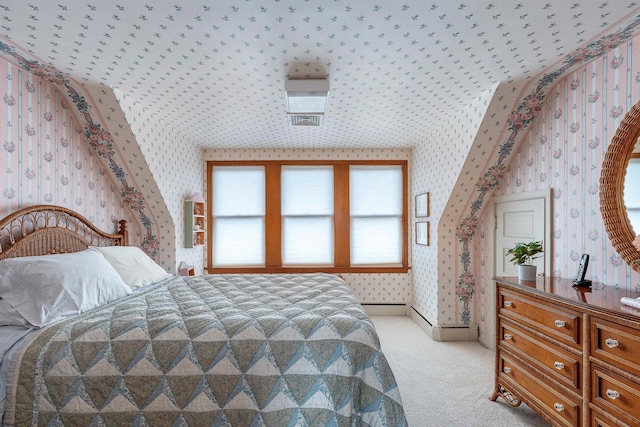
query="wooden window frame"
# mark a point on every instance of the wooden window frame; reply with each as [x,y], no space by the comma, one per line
[342,219]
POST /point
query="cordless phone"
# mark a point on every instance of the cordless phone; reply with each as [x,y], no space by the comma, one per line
[582,271]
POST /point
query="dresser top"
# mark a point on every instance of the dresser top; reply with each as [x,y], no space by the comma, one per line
[598,296]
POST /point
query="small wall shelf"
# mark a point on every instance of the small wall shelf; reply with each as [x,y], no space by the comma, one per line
[194,231]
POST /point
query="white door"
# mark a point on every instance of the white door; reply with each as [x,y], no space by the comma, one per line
[516,218]
[518,221]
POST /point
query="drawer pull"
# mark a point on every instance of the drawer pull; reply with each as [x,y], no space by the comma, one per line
[508,303]
[611,343]
[507,336]
[507,370]
[559,406]
[612,394]
[558,365]
[559,323]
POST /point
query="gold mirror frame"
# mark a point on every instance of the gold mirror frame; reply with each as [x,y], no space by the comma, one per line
[614,168]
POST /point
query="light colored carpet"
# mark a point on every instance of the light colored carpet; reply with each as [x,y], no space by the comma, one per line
[445,383]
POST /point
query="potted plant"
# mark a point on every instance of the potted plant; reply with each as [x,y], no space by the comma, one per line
[522,255]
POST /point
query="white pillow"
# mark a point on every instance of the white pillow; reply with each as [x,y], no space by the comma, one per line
[44,289]
[135,267]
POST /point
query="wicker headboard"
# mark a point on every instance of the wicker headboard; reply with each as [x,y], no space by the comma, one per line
[46,229]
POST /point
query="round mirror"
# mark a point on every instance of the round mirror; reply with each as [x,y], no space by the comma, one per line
[612,177]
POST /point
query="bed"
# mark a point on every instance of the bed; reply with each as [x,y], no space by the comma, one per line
[155,349]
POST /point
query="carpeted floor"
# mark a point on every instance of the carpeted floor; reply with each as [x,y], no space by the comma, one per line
[445,383]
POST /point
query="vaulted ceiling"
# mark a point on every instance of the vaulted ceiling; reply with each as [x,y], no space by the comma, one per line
[215,70]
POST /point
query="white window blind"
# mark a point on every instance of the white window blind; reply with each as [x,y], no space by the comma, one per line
[238,209]
[307,215]
[376,195]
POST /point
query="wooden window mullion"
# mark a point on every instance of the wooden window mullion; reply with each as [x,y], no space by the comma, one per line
[209,223]
[273,217]
[342,219]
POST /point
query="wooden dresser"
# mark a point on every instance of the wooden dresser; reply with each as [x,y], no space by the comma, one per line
[571,354]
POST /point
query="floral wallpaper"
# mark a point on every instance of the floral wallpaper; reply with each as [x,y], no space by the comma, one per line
[132,150]
[177,167]
[563,150]
[215,70]
[456,163]
[136,197]
[46,157]
[435,169]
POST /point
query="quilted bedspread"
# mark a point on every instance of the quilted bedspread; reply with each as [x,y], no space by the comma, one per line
[221,350]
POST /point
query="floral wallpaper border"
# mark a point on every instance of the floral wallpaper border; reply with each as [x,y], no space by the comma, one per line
[518,120]
[98,138]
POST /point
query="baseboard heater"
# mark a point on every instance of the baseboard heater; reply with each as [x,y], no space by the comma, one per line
[416,312]
[445,332]
[382,309]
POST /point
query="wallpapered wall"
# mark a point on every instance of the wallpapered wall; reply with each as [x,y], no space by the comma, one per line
[563,150]
[45,157]
[435,168]
[109,138]
[177,168]
[47,161]
[392,288]
[450,164]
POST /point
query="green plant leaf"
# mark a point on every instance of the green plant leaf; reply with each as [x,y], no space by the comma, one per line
[524,253]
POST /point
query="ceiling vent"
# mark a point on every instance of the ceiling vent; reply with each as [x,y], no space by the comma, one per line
[306,101]
[305,119]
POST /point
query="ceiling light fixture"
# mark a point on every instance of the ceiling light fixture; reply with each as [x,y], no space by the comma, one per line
[306,101]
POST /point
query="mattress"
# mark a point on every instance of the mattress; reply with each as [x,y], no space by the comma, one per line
[270,350]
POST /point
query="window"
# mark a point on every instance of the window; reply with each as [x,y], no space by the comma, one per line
[238,215]
[307,216]
[376,214]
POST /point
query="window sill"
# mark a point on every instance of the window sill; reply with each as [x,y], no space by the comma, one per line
[270,270]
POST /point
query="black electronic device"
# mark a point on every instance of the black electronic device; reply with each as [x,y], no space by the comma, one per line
[582,271]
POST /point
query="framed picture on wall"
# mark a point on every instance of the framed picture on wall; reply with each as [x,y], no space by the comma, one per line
[422,233]
[422,205]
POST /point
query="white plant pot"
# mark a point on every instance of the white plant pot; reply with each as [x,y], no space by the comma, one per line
[527,272]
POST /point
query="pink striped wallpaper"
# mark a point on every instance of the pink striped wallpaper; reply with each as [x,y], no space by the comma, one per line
[44,158]
[563,150]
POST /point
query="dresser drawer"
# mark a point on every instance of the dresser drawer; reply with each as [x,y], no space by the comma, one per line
[547,318]
[616,395]
[558,363]
[531,388]
[599,421]
[616,344]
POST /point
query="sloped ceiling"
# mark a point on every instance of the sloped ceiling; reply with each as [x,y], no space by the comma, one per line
[215,70]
